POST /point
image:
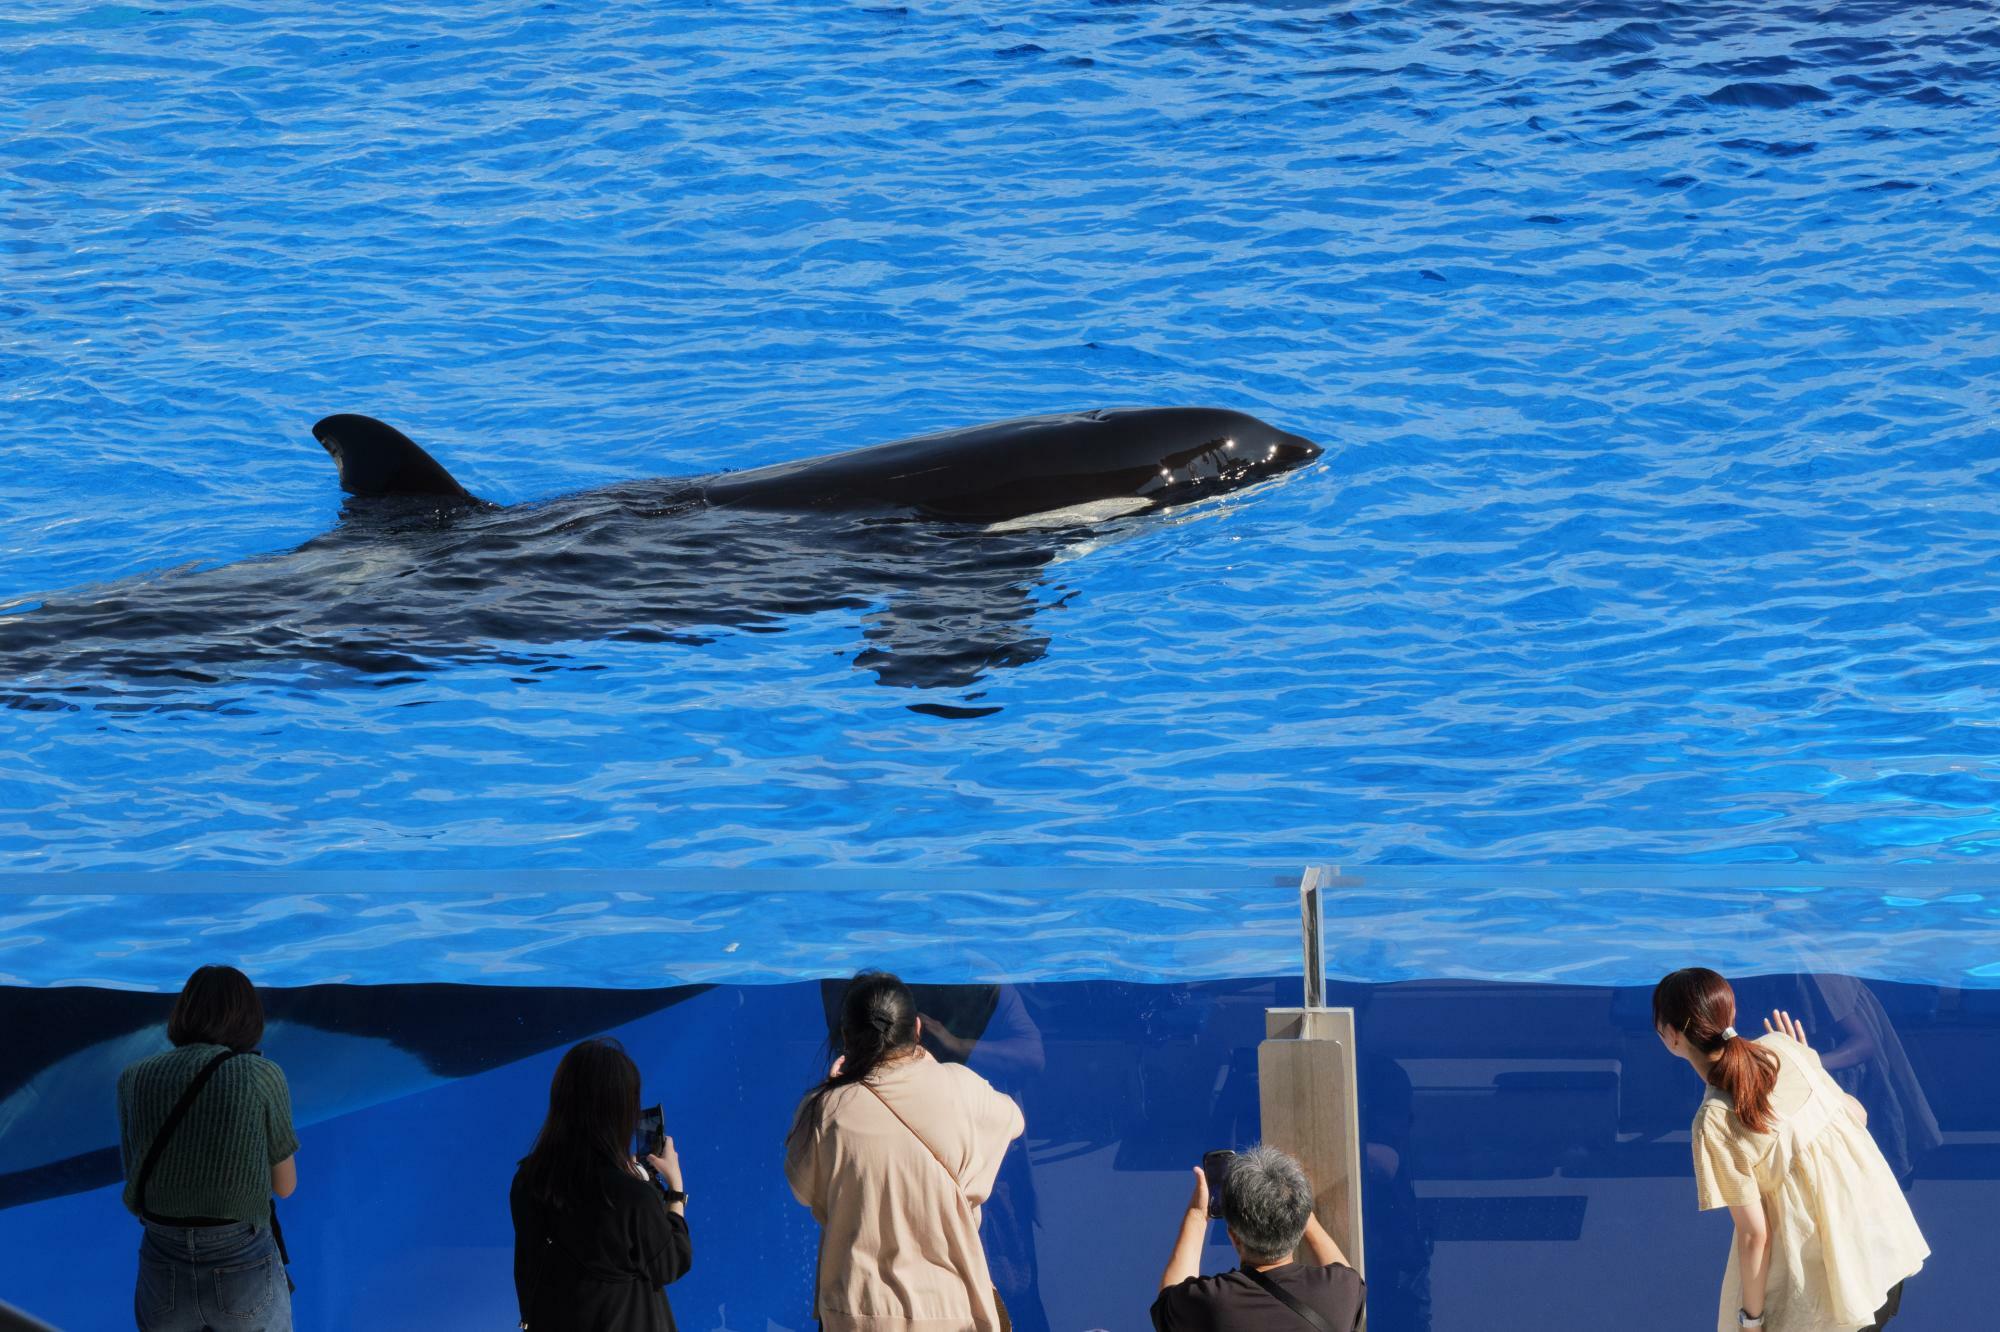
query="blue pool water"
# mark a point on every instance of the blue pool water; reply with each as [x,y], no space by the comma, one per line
[1923,925]
[1653,349]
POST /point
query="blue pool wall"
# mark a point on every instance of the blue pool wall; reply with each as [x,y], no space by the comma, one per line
[1526,1144]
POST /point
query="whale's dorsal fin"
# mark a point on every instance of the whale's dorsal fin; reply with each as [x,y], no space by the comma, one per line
[378,459]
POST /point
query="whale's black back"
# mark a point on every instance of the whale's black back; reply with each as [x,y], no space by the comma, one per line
[422,575]
[1035,465]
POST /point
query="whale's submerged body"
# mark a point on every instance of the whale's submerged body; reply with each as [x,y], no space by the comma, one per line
[937,541]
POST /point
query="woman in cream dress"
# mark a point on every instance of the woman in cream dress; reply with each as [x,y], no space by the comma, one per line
[1824,1238]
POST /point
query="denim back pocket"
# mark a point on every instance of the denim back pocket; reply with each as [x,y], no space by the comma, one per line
[244,1290]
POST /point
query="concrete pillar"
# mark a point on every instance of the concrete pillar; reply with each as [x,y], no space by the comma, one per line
[1306,1082]
[1305,1077]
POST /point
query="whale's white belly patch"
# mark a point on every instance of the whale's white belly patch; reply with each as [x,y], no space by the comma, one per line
[1076,515]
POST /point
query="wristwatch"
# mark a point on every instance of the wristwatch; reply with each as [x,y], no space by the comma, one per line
[1743,1319]
[673,1195]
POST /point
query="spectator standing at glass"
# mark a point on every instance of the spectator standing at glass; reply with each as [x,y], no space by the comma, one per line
[1824,1238]
[894,1153]
[596,1238]
[205,1130]
[1268,1204]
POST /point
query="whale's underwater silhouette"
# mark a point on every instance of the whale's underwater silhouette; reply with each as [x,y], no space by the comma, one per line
[938,542]
[343,1047]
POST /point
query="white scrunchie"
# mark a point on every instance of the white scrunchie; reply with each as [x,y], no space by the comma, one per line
[1729,1033]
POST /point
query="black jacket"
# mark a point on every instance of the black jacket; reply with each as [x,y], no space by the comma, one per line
[597,1264]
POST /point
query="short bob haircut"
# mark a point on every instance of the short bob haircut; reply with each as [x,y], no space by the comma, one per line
[1267,1202]
[218,1006]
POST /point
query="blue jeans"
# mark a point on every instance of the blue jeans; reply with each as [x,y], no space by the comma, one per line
[211,1279]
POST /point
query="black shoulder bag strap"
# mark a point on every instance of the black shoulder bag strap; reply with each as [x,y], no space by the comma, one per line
[1289,1300]
[167,1130]
[173,1121]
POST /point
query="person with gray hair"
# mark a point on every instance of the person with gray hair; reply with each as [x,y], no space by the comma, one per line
[1267,1202]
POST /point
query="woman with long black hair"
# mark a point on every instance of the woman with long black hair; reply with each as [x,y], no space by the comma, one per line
[1824,1238]
[595,1238]
[895,1152]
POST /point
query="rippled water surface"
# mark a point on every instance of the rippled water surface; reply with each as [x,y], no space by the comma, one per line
[1653,348]
[1598,926]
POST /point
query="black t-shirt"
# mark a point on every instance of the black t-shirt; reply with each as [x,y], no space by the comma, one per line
[1233,1302]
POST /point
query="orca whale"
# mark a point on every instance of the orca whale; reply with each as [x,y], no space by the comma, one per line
[937,542]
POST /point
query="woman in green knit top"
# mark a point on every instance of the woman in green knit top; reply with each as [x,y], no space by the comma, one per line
[209,1258]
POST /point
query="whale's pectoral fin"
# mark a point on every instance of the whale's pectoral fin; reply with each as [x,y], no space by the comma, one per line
[378,460]
[934,647]
[957,622]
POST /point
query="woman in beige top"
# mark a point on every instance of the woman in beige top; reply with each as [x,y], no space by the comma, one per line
[1824,1238]
[894,1153]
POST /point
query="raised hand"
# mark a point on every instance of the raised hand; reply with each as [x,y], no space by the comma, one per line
[1198,1201]
[667,1164]
[1786,1025]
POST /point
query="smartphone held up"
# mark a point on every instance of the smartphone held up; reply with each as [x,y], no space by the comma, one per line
[1215,1166]
[652,1135]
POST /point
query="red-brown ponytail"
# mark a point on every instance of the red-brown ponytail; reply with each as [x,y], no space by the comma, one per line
[1699,1004]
